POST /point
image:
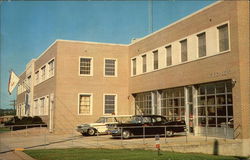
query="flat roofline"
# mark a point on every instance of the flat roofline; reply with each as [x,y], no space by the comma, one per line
[89,42]
[184,18]
[75,41]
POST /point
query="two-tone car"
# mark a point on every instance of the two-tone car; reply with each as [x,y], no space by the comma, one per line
[147,125]
[100,126]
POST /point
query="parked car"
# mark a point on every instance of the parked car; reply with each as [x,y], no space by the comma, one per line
[99,126]
[147,124]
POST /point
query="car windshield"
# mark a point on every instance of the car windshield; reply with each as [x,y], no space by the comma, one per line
[101,120]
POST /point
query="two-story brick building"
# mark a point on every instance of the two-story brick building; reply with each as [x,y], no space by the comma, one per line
[196,69]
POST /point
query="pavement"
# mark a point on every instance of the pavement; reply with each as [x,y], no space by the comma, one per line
[40,138]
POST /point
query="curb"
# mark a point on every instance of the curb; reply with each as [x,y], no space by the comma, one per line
[23,155]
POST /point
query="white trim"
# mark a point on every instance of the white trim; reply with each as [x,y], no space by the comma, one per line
[91,67]
[38,99]
[89,42]
[116,67]
[116,98]
[217,37]
[178,21]
[91,103]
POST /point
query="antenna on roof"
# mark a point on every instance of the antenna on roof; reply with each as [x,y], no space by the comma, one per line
[150,16]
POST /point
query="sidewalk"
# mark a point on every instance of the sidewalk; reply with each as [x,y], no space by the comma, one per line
[15,155]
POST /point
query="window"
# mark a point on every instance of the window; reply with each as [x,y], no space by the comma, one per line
[134,66]
[110,67]
[172,103]
[37,77]
[215,104]
[36,111]
[43,70]
[42,104]
[85,103]
[51,68]
[202,44]
[109,104]
[223,38]
[169,55]
[143,103]
[86,65]
[155,59]
[29,81]
[183,50]
[144,63]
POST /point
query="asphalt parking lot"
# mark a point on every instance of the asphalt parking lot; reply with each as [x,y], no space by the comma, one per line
[36,138]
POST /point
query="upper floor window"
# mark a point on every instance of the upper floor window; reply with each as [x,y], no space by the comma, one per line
[169,55]
[85,104]
[110,67]
[86,65]
[29,81]
[134,66]
[43,72]
[109,104]
[156,63]
[42,106]
[51,68]
[223,38]
[202,44]
[184,53]
[144,63]
[37,77]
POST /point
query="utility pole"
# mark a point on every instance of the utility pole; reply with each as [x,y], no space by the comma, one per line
[13,103]
[150,16]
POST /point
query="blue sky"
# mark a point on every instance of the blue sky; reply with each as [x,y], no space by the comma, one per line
[29,27]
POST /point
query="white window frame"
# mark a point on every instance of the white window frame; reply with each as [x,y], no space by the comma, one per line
[91,66]
[41,73]
[115,108]
[132,66]
[91,103]
[218,40]
[49,71]
[116,69]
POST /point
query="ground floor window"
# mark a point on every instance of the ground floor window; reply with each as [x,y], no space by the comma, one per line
[215,104]
[85,103]
[143,103]
[109,103]
[206,108]
[172,103]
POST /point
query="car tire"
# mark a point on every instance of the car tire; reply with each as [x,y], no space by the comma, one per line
[169,133]
[126,134]
[91,132]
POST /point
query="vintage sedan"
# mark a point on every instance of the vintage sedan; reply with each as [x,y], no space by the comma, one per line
[146,125]
[99,127]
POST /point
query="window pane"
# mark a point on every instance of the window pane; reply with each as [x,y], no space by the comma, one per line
[110,67]
[221,111]
[221,99]
[211,122]
[183,50]
[202,44]
[155,59]
[211,111]
[85,66]
[109,104]
[169,55]
[84,104]
[202,111]
[210,100]
[144,63]
[223,38]
[134,66]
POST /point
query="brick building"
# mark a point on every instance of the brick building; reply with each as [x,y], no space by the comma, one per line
[196,69]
